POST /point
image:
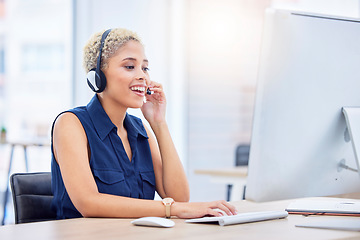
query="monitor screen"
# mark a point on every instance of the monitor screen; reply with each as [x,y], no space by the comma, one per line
[309,70]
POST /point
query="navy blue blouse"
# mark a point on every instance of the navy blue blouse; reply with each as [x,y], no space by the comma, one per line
[113,172]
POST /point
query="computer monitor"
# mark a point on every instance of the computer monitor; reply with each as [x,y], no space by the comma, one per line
[309,70]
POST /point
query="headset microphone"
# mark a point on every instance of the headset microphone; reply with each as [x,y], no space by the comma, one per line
[148,92]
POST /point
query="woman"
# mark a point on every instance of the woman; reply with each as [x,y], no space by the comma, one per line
[105,162]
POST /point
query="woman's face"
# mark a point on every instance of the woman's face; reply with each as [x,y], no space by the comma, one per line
[127,75]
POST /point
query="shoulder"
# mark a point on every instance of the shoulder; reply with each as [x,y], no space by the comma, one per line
[67,122]
[70,116]
[78,111]
[68,133]
[66,117]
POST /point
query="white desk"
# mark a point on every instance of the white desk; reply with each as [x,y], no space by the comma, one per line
[97,228]
[235,176]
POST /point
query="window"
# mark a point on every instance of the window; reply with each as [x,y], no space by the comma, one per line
[43,58]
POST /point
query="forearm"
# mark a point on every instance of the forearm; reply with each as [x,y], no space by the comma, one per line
[105,205]
[174,179]
[110,206]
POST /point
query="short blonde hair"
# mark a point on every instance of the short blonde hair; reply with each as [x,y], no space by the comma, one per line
[116,39]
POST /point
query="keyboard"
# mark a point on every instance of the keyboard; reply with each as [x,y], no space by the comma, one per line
[241,218]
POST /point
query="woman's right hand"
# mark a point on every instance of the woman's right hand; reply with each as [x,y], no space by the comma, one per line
[201,209]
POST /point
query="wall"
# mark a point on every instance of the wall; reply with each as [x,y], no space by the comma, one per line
[205,52]
[223,52]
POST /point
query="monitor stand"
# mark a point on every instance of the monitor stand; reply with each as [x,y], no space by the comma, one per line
[352,117]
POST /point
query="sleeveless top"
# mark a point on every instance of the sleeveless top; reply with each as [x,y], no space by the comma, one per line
[113,172]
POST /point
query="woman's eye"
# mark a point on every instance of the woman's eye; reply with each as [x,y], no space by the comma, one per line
[129,67]
[145,69]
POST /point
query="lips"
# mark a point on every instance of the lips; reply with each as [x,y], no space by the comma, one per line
[139,90]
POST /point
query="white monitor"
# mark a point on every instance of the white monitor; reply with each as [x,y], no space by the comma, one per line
[309,70]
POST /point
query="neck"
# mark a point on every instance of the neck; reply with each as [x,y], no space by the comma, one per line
[114,110]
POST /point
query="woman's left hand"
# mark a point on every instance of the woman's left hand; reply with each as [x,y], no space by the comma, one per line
[155,106]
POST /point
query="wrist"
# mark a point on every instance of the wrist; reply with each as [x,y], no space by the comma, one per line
[158,126]
[168,202]
[176,209]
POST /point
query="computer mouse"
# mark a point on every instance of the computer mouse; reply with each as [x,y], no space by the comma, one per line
[153,222]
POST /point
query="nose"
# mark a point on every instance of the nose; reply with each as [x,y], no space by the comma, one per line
[145,79]
[141,79]
[141,76]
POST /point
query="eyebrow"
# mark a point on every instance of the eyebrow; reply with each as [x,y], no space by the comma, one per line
[134,59]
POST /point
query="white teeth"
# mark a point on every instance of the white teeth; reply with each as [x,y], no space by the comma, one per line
[141,89]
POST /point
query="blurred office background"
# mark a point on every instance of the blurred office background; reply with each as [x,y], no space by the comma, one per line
[204,52]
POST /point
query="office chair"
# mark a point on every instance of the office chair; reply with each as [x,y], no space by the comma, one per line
[32,197]
[242,152]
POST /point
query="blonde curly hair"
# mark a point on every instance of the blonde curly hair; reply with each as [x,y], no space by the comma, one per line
[116,39]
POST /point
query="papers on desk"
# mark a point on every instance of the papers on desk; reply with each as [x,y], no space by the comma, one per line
[241,218]
[325,207]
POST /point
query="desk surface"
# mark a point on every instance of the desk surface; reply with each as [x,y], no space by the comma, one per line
[96,228]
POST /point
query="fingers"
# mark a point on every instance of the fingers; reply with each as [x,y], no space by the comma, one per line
[201,209]
[157,93]
[215,213]
[231,208]
[155,86]
[156,89]
[228,208]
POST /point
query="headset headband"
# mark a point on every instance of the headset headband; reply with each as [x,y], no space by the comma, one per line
[102,43]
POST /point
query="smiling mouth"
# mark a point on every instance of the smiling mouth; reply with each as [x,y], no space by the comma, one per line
[138,89]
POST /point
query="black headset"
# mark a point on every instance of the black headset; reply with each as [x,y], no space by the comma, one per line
[96,78]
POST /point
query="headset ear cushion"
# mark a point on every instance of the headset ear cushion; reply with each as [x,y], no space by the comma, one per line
[91,80]
[100,81]
[96,80]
